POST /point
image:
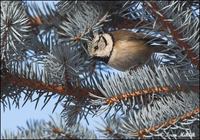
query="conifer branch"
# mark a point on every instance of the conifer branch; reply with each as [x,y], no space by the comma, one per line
[149,102]
[164,117]
[52,129]
[171,121]
[156,11]
[137,84]
[119,22]
[123,22]
[154,90]
[77,92]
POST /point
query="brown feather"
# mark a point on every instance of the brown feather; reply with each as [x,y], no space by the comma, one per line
[129,36]
[130,50]
[124,49]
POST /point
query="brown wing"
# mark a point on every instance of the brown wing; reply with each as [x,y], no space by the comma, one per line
[128,35]
[143,38]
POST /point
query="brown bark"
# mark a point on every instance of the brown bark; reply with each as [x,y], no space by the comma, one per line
[169,122]
[176,34]
[166,90]
[77,92]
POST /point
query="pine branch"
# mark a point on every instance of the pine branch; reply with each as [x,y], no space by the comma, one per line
[14,30]
[142,88]
[174,32]
[111,129]
[124,22]
[144,81]
[117,22]
[168,116]
[169,122]
[151,101]
[163,118]
[154,90]
[38,85]
[52,129]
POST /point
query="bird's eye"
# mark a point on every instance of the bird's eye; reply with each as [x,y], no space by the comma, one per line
[95,48]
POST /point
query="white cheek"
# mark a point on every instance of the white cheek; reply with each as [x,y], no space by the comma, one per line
[102,53]
[98,53]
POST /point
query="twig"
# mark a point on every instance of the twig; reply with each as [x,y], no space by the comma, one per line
[153,7]
[142,133]
[166,89]
[77,92]
[123,22]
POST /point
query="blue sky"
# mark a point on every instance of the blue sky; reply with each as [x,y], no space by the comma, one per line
[10,119]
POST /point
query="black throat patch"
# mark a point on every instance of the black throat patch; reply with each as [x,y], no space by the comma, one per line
[104,59]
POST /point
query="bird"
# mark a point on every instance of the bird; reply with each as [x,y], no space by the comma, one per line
[123,49]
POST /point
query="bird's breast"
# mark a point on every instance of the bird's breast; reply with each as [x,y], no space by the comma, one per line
[128,54]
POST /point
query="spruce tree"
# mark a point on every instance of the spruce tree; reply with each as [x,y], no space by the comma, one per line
[44,54]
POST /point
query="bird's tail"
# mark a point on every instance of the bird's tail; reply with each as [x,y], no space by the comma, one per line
[158,44]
